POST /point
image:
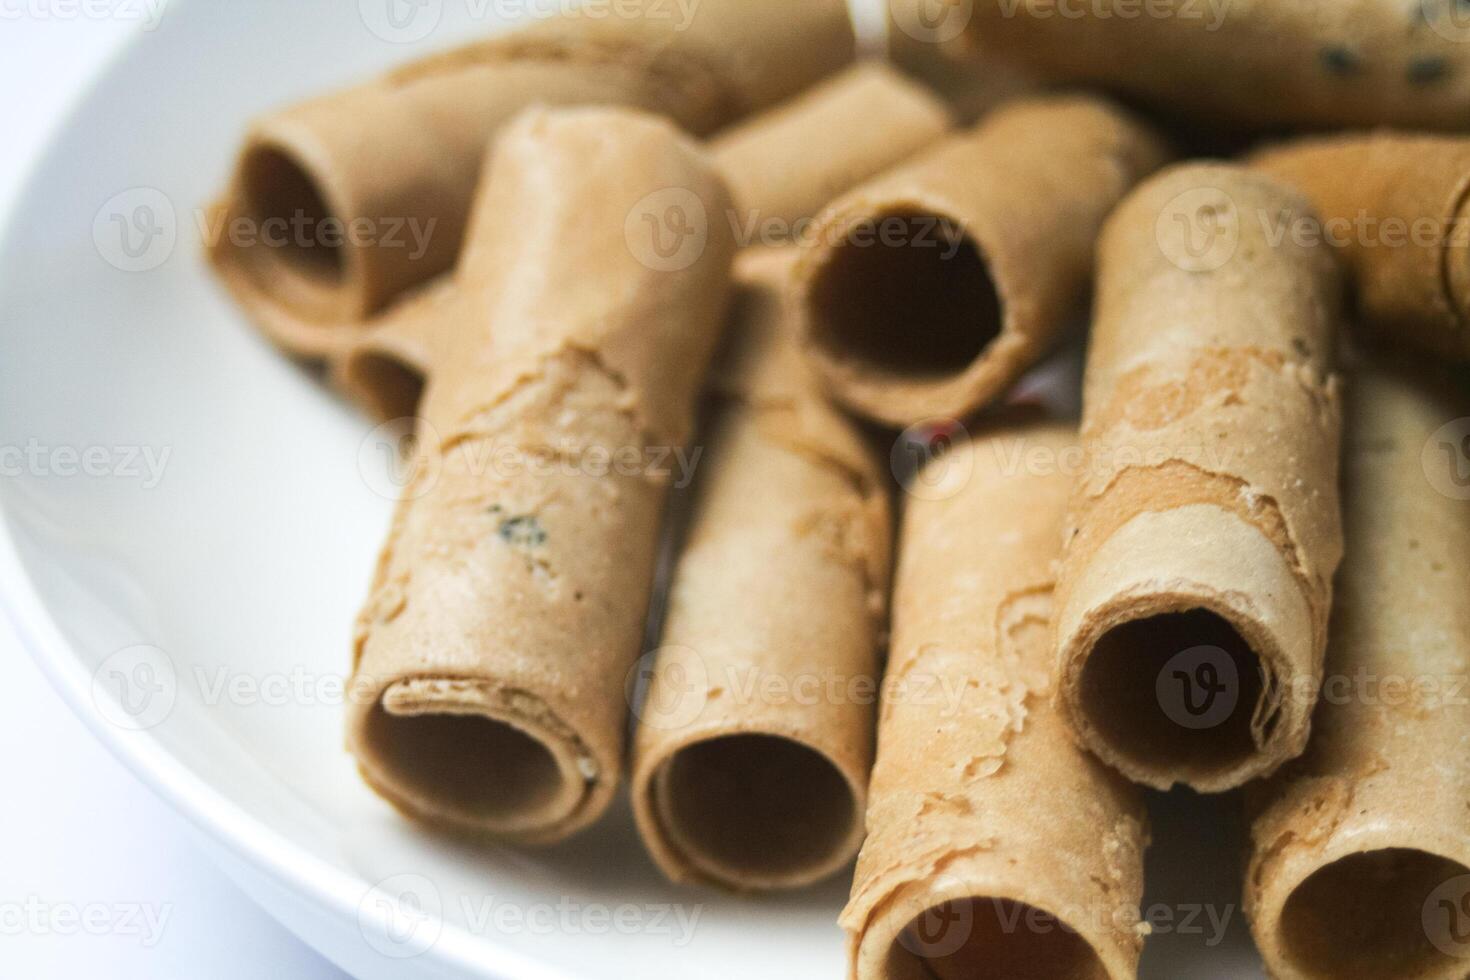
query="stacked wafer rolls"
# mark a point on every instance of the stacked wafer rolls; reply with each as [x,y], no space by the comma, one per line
[1205,528]
[752,754]
[928,291]
[1266,63]
[403,153]
[1361,859]
[961,875]
[1397,208]
[782,165]
[510,599]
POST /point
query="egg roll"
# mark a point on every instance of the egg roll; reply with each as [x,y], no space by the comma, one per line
[927,292]
[1205,529]
[510,599]
[751,758]
[996,847]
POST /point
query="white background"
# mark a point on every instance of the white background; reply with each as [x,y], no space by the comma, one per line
[76,828]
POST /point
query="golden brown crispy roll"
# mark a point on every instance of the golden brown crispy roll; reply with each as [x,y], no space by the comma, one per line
[1205,529]
[928,291]
[357,196]
[1263,63]
[751,760]
[1361,857]
[1397,208]
[509,602]
[996,846]
[926,39]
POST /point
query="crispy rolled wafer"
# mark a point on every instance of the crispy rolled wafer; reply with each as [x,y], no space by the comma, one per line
[783,166]
[787,164]
[996,847]
[927,292]
[391,166]
[1262,63]
[1205,530]
[1395,206]
[1361,858]
[751,761]
[509,601]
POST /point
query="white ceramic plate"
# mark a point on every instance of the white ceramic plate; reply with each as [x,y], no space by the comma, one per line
[190,525]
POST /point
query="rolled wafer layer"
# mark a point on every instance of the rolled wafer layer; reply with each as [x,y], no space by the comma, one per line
[961,875]
[509,601]
[1395,206]
[1263,63]
[1361,849]
[389,168]
[751,760]
[928,291]
[1205,530]
[785,165]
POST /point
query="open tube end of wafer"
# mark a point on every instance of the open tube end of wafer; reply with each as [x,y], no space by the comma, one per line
[749,811]
[1188,666]
[1393,907]
[904,318]
[466,756]
[949,929]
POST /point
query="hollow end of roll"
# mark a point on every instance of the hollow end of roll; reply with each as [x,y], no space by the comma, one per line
[896,321]
[1371,915]
[463,765]
[385,385]
[753,811]
[1181,732]
[987,936]
[288,209]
